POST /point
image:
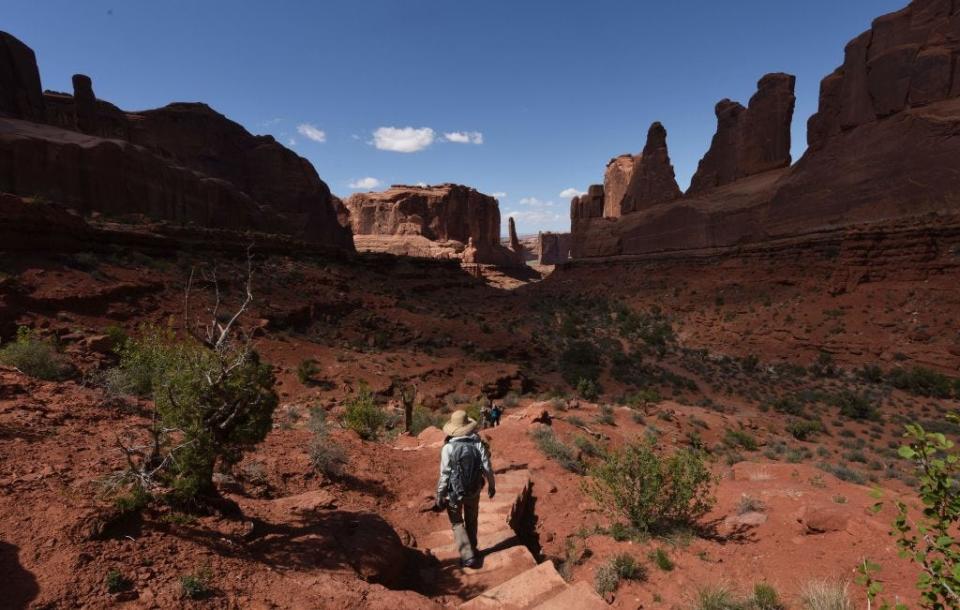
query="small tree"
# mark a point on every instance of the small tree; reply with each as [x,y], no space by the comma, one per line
[930,541]
[363,415]
[654,492]
[214,399]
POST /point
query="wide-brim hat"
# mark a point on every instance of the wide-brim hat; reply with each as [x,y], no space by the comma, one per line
[459,424]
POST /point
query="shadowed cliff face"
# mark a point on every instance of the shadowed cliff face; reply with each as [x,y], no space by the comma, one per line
[884,147]
[184,163]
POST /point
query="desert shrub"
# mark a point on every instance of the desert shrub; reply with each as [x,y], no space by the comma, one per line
[196,585]
[920,381]
[661,559]
[424,418]
[824,365]
[116,582]
[588,389]
[511,400]
[306,370]
[739,438]
[605,416]
[930,540]
[118,337]
[843,472]
[653,492]
[766,597]
[871,373]
[556,450]
[750,363]
[620,567]
[34,356]
[326,455]
[363,415]
[580,360]
[789,405]
[749,504]
[825,595]
[853,405]
[219,400]
[717,598]
[642,398]
[586,446]
[804,429]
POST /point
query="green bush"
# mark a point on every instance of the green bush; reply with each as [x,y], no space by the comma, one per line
[739,438]
[34,356]
[653,492]
[196,586]
[920,381]
[556,450]
[580,360]
[363,415]
[620,567]
[221,402]
[605,416]
[423,418]
[804,429]
[765,597]
[588,389]
[326,455]
[116,582]
[661,559]
[854,406]
[306,371]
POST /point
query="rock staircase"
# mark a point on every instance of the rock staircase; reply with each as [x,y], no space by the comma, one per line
[509,577]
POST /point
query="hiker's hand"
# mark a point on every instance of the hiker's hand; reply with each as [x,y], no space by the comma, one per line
[491,491]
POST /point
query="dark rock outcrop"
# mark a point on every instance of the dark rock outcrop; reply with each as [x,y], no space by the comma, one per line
[514,243]
[553,248]
[184,163]
[20,94]
[749,140]
[884,151]
[652,180]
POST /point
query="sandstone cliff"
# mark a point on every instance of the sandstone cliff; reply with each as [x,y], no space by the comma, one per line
[884,146]
[440,221]
[184,163]
[553,248]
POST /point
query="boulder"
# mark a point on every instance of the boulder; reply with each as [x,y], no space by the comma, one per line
[652,180]
[822,519]
[20,93]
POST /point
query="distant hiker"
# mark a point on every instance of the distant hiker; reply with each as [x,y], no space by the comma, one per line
[464,467]
[495,412]
[484,416]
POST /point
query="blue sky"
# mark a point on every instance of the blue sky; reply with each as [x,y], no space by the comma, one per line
[523,98]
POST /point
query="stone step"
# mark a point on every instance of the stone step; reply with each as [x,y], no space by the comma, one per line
[441,538]
[486,541]
[521,592]
[497,567]
[580,596]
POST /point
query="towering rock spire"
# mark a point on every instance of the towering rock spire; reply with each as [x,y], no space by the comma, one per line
[652,180]
[515,244]
[86,103]
[749,140]
[20,94]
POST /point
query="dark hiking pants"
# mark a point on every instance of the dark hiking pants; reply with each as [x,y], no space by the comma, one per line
[463,518]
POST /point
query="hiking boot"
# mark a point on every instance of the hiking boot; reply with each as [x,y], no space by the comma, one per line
[472,563]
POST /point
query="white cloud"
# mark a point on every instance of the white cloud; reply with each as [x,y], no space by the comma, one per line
[311,132]
[464,137]
[499,195]
[571,192]
[402,139]
[367,183]
[540,218]
[422,185]
[271,122]
[291,142]
[533,202]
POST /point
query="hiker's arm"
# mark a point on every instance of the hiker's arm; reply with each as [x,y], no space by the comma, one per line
[444,472]
[487,469]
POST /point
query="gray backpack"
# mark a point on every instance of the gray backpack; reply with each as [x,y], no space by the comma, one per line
[466,471]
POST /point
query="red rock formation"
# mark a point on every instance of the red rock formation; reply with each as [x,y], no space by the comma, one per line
[884,149]
[906,60]
[20,95]
[749,140]
[553,248]
[616,178]
[181,163]
[652,180]
[438,214]
[514,243]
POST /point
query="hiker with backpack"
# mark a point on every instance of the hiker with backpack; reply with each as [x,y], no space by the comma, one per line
[464,467]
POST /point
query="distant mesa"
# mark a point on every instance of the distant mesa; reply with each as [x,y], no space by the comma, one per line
[184,163]
[884,146]
[440,221]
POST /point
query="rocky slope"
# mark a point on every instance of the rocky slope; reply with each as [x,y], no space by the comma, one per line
[883,145]
[440,221]
[184,163]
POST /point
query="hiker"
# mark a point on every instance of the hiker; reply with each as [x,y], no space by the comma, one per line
[495,412]
[485,417]
[464,467]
